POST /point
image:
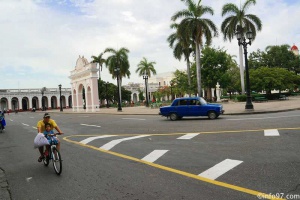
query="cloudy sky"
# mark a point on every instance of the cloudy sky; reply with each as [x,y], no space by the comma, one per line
[42,39]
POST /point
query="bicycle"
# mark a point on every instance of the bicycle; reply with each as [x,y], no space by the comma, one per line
[54,155]
[2,126]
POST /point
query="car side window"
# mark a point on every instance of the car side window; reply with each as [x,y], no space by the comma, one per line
[198,103]
[193,102]
[182,102]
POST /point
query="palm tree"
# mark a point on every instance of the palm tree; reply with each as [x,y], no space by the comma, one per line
[242,22]
[99,60]
[181,47]
[145,67]
[194,26]
[118,60]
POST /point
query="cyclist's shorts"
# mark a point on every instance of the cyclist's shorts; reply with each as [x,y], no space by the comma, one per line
[55,140]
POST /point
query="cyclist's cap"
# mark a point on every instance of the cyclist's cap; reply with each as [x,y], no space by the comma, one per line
[46,115]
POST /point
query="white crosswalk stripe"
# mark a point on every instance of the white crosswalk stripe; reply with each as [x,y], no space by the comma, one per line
[113,143]
[87,140]
[154,155]
[220,169]
[271,132]
[188,136]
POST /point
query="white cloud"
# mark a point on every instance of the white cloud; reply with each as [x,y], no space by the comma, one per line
[39,38]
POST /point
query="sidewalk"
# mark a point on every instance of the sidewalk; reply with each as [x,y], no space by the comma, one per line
[231,108]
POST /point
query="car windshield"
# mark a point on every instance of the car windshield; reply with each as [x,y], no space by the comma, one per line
[202,101]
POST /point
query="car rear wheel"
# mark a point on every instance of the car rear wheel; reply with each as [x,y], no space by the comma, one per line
[212,115]
[173,116]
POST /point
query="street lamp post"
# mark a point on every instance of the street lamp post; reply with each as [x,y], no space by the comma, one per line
[107,106]
[145,77]
[242,41]
[171,86]
[42,91]
[60,99]
[117,70]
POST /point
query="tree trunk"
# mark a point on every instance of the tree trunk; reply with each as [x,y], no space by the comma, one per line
[198,69]
[242,69]
[189,75]
[209,94]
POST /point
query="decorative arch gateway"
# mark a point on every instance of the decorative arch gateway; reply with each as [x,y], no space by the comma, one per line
[84,86]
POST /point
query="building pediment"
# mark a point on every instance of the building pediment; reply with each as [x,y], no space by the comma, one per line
[81,63]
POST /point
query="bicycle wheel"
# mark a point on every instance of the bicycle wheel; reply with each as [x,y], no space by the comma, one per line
[57,162]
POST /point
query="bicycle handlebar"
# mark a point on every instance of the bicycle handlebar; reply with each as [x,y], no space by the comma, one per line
[54,134]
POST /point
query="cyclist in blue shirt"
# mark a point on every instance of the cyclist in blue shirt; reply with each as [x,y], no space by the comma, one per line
[49,131]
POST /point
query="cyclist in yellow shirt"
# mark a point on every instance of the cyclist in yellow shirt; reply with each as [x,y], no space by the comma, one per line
[41,128]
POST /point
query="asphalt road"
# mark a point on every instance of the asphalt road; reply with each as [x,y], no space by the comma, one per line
[150,157]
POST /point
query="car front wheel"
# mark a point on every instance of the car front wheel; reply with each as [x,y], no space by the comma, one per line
[173,116]
[212,115]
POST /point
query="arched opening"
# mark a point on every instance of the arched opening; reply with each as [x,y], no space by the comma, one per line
[70,101]
[53,102]
[44,103]
[4,104]
[15,103]
[134,98]
[81,97]
[25,103]
[35,103]
[63,101]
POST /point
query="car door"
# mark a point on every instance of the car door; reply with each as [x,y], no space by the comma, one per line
[196,109]
[182,108]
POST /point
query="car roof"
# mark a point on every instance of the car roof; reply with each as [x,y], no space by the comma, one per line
[187,98]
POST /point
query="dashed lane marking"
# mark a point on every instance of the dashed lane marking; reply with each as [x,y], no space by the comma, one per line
[220,169]
[154,155]
[90,125]
[134,119]
[176,171]
[25,124]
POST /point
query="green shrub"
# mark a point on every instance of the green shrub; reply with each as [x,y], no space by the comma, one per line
[241,97]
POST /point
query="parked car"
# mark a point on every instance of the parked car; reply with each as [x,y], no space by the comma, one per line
[191,106]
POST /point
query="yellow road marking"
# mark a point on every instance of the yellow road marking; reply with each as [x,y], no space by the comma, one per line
[176,171]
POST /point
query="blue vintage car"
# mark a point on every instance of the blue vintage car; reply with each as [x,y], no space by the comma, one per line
[191,106]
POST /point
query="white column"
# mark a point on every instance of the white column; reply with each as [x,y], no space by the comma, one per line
[77,102]
[212,92]
[218,92]
[19,103]
[30,102]
[67,100]
[9,103]
[49,102]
